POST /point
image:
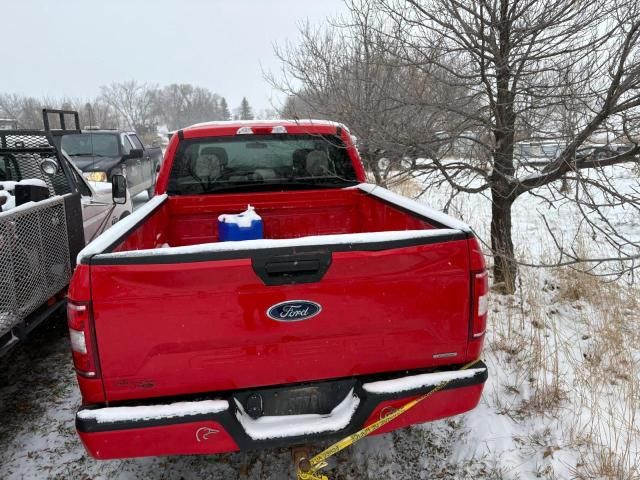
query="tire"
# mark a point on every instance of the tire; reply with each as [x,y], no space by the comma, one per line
[124,215]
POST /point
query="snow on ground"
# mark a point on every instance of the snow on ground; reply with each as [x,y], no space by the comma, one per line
[531,238]
[562,398]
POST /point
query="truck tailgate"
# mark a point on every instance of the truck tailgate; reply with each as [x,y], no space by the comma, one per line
[175,328]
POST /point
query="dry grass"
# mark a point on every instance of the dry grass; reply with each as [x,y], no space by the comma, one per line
[405,185]
[575,284]
[572,344]
[609,381]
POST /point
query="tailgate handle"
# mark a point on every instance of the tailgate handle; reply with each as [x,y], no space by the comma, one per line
[292,269]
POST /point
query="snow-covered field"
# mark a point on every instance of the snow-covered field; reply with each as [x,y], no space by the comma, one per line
[562,399]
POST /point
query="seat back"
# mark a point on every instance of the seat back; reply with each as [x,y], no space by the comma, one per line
[206,166]
[317,163]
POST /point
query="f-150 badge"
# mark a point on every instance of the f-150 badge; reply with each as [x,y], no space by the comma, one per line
[294,310]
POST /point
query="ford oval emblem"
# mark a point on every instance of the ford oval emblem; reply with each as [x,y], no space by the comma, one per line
[294,310]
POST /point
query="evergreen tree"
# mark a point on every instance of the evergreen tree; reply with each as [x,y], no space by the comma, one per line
[245,112]
[224,109]
[215,105]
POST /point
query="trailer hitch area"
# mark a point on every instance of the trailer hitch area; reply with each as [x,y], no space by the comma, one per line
[301,455]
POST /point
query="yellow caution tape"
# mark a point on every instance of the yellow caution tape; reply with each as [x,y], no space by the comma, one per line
[307,469]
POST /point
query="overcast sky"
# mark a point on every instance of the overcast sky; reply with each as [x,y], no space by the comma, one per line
[70,47]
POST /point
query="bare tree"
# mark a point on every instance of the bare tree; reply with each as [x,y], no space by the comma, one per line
[180,105]
[26,110]
[96,112]
[512,52]
[499,72]
[125,105]
[351,72]
[134,103]
[290,108]
[10,105]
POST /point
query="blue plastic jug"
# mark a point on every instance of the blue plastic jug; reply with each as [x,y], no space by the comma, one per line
[242,226]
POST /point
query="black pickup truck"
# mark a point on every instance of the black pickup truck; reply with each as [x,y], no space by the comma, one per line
[100,154]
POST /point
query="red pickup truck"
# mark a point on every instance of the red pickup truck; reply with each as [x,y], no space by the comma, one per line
[355,301]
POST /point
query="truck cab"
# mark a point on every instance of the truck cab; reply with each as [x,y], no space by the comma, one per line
[100,154]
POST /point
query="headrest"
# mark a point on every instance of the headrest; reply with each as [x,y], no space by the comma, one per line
[206,167]
[219,152]
[299,157]
[317,163]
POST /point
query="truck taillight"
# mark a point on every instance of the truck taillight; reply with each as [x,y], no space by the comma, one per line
[480,292]
[80,336]
[480,303]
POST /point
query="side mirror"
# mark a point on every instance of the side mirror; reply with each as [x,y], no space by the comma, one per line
[119,189]
[136,153]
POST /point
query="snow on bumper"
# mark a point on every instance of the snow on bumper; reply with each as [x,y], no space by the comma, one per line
[152,412]
[283,426]
[216,426]
[414,382]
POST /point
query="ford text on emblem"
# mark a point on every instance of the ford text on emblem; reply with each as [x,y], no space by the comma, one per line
[294,310]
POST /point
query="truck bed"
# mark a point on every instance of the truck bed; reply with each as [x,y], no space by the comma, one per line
[182,221]
[392,278]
